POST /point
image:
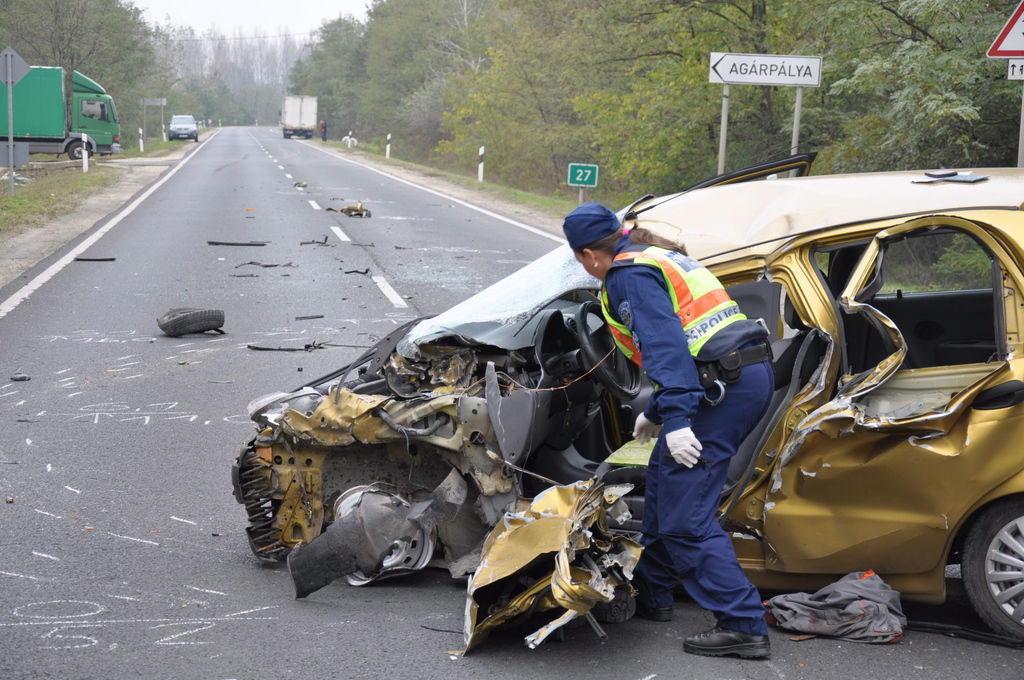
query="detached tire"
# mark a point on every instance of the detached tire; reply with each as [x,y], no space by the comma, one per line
[993,567]
[185,320]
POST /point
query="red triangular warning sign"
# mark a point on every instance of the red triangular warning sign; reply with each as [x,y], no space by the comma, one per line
[1010,42]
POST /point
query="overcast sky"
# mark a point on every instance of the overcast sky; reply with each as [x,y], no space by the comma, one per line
[270,16]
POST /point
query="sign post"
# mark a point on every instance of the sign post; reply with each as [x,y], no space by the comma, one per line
[763,69]
[582,175]
[1007,45]
[12,69]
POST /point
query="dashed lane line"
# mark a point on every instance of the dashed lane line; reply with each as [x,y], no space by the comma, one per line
[389,292]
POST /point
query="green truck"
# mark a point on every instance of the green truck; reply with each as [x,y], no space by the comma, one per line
[40,119]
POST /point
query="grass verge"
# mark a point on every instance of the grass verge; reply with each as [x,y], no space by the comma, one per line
[55,192]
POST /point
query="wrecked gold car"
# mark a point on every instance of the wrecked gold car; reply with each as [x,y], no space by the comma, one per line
[895,305]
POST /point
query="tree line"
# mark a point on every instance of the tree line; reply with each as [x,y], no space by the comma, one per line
[542,83]
[235,79]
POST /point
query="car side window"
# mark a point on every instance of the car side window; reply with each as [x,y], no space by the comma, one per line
[937,287]
[934,262]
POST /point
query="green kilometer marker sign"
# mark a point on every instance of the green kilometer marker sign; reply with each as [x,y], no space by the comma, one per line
[582,175]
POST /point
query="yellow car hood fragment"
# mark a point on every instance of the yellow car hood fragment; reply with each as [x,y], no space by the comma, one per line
[568,524]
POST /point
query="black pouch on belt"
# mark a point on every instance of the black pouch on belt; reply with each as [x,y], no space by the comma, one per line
[715,375]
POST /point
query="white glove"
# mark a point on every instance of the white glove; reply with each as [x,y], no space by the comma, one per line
[683,446]
[645,430]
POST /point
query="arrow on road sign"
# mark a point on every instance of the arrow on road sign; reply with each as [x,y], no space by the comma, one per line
[1010,41]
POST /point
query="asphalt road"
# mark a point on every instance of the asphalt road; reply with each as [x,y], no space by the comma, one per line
[122,550]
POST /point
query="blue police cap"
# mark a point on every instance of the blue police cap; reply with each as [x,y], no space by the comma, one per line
[588,223]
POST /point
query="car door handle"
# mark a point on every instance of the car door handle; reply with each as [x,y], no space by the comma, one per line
[1004,395]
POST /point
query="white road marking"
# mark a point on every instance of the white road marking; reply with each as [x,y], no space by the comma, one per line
[314,204]
[288,175]
[129,538]
[186,521]
[49,514]
[11,303]
[49,557]
[70,489]
[390,292]
[212,592]
[248,611]
[8,573]
[280,167]
[341,235]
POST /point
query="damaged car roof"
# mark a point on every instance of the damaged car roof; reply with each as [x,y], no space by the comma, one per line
[750,219]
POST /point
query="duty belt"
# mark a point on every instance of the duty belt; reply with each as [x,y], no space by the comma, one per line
[715,375]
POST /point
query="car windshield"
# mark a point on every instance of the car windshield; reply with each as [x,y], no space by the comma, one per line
[506,306]
[182,120]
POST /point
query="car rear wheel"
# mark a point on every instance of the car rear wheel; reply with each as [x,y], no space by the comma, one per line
[993,567]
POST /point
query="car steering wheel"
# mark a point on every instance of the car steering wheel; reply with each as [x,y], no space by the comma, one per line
[618,375]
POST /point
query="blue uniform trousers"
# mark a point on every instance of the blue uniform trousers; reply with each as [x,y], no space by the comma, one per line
[682,539]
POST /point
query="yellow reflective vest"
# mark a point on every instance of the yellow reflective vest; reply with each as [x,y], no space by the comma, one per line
[699,300]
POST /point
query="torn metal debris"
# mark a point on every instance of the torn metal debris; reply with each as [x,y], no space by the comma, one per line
[550,562]
[356,210]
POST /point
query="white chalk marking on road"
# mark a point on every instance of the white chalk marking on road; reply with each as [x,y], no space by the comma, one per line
[8,573]
[129,377]
[250,611]
[28,442]
[20,402]
[186,521]
[50,514]
[288,175]
[125,597]
[49,557]
[63,371]
[74,394]
[48,467]
[314,204]
[280,167]
[212,592]
[129,538]
[11,303]
[390,292]
[340,234]
[70,489]
[532,230]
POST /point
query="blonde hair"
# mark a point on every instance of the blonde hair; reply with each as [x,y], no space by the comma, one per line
[644,237]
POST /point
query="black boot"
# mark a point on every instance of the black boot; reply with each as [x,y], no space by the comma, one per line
[724,642]
[653,613]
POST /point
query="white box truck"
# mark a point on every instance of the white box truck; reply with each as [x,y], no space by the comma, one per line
[298,116]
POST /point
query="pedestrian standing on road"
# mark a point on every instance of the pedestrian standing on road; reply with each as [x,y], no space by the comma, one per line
[712,383]
[323,130]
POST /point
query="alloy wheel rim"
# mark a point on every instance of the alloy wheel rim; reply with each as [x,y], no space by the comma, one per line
[1004,570]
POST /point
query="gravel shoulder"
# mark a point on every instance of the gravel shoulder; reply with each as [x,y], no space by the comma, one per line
[20,252]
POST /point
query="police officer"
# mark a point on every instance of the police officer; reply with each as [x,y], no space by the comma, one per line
[672,317]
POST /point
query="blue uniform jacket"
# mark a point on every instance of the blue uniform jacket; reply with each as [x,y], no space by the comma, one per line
[638,297]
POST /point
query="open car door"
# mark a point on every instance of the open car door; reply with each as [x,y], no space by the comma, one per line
[874,477]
